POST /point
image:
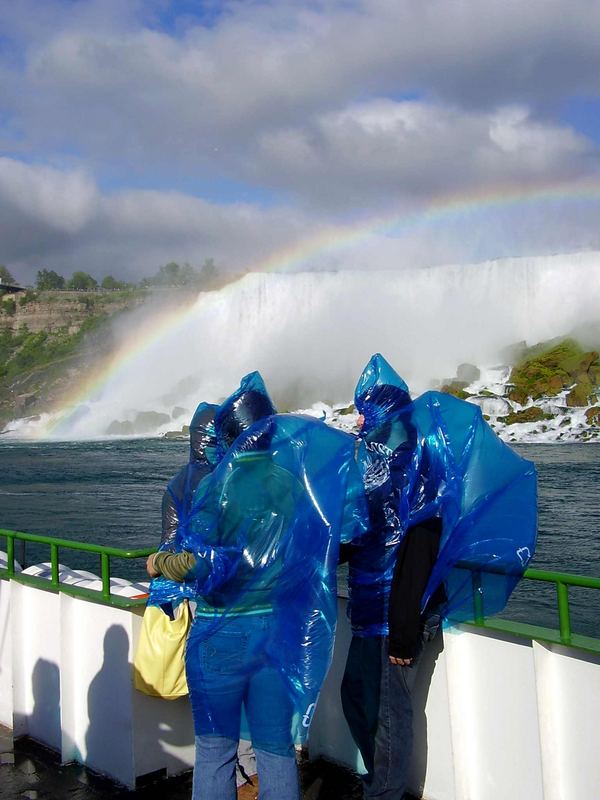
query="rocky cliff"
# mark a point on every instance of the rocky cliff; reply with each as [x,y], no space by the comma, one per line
[550,393]
[49,339]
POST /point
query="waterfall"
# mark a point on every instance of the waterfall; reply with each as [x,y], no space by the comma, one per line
[311,333]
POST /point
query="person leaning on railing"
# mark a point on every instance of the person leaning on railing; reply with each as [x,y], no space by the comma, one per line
[389,569]
[262,553]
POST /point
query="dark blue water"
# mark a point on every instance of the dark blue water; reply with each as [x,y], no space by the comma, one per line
[110,493]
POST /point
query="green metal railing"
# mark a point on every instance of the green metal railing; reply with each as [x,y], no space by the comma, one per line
[105,554]
[561,580]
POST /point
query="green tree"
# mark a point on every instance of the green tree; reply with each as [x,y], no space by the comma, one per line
[187,275]
[169,275]
[208,272]
[9,306]
[81,281]
[176,275]
[112,284]
[5,276]
[48,280]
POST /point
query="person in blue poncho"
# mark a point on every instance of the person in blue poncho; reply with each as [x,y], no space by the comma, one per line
[388,561]
[261,555]
[176,507]
[178,496]
[442,490]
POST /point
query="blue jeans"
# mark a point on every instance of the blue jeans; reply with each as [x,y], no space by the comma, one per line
[227,670]
[377,703]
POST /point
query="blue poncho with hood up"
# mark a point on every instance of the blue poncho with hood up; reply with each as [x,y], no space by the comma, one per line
[265,530]
[435,456]
[247,404]
[177,499]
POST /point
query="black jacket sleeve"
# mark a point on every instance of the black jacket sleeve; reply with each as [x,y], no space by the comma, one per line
[416,557]
[345,551]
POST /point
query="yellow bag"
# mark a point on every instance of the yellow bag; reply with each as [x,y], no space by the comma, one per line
[158,664]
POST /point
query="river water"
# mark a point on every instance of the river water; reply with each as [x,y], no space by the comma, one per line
[110,493]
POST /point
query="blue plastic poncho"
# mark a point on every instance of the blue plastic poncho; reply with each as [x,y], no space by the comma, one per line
[177,499]
[212,430]
[247,405]
[265,529]
[436,457]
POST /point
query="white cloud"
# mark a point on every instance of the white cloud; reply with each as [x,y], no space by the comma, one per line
[383,150]
[64,201]
[59,219]
[199,100]
[304,103]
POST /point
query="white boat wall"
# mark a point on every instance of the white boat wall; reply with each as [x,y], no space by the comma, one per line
[496,716]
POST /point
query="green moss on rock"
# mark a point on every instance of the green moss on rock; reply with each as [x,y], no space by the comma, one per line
[456,389]
[545,371]
[581,393]
[593,415]
[533,414]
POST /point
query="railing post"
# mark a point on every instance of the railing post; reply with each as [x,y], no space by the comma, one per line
[564,614]
[10,556]
[54,564]
[477,596]
[105,566]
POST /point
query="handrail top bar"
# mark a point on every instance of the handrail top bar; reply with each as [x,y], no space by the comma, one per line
[533,574]
[94,595]
[72,544]
[585,581]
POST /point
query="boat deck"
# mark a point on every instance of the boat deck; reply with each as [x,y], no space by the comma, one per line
[29,771]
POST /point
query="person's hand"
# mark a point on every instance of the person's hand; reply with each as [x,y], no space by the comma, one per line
[401,662]
[150,566]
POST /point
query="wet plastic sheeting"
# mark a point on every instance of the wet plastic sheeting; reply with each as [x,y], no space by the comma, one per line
[177,499]
[488,504]
[265,529]
[437,457]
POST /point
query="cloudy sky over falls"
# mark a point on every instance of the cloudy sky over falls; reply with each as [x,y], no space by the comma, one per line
[134,132]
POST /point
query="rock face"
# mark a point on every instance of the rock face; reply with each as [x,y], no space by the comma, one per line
[144,422]
[468,373]
[552,393]
[54,311]
[50,340]
[593,415]
[582,393]
[531,414]
[544,371]
[456,389]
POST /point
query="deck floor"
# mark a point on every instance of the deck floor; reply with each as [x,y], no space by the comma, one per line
[29,771]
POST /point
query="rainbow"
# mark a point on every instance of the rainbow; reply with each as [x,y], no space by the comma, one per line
[329,240]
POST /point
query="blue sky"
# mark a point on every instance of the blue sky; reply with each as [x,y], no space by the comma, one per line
[133,132]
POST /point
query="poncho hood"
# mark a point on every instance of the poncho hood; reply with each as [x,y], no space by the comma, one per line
[242,409]
[380,392]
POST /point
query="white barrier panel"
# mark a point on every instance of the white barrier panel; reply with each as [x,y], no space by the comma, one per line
[6,656]
[66,680]
[496,717]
